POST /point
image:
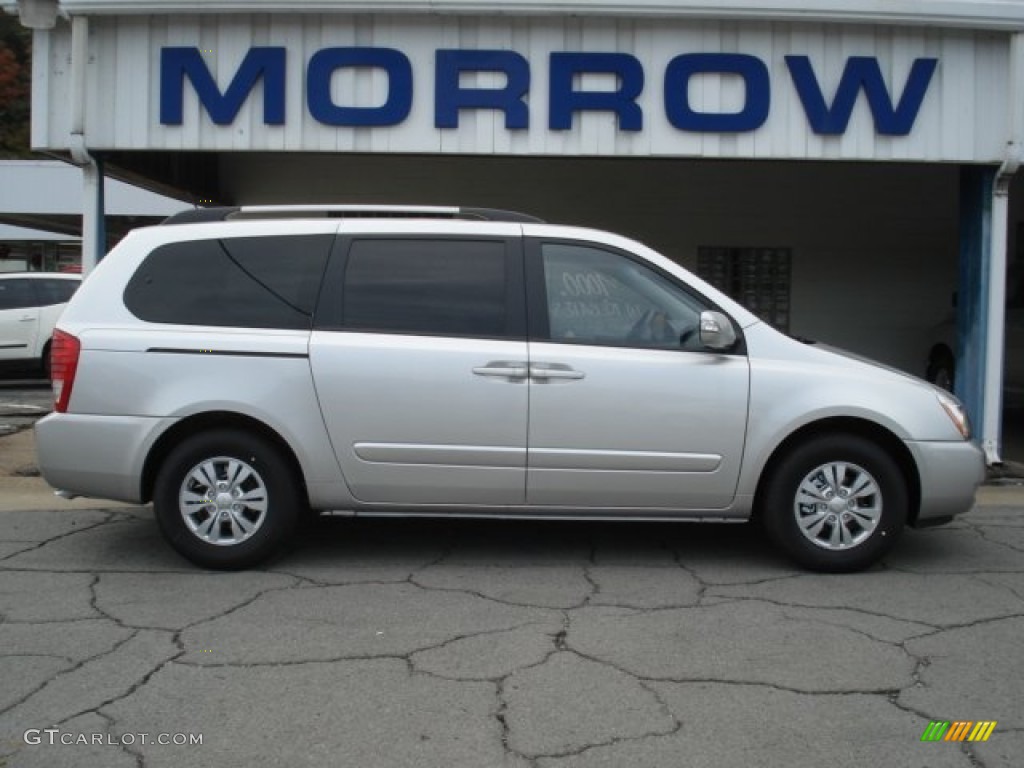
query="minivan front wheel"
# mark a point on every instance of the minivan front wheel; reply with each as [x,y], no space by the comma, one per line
[836,503]
[226,499]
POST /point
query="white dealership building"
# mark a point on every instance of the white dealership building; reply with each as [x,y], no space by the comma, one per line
[842,167]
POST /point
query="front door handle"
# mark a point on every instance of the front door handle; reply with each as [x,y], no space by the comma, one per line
[554,371]
[503,369]
[26,319]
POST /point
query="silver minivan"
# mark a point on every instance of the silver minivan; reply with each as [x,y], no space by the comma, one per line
[242,366]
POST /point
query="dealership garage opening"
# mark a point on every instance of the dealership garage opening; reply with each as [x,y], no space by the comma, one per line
[861,256]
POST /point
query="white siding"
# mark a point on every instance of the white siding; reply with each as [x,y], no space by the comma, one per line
[962,118]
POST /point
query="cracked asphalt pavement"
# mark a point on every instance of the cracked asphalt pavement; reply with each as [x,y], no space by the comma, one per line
[393,643]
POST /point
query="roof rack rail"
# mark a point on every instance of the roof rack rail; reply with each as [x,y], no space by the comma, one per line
[230,213]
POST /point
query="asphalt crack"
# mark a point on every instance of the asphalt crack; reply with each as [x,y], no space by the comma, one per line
[109,518]
[138,756]
[980,530]
[71,670]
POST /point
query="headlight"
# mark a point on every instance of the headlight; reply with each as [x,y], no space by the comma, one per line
[955,410]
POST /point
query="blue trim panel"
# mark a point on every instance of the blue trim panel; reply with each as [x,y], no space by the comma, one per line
[973,295]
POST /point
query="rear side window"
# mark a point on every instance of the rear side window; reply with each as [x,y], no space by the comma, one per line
[55,291]
[16,294]
[435,287]
[245,282]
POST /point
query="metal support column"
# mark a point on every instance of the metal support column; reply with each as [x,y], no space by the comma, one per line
[94,236]
[984,234]
[973,295]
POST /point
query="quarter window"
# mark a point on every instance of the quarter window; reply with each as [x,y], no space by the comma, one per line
[246,282]
[599,297]
[435,287]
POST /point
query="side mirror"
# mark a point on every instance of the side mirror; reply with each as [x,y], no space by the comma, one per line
[716,331]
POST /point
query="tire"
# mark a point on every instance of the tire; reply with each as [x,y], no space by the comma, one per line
[941,369]
[45,362]
[830,529]
[251,504]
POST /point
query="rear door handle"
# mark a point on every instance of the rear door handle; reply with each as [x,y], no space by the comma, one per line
[503,369]
[26,319]
[554,371]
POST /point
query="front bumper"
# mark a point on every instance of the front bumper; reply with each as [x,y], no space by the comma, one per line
[950,474]
[97,456]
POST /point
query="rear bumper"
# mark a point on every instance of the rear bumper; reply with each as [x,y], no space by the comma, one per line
[97,456]
[950,474]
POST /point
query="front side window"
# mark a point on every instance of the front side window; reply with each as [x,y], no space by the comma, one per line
[16,294]
[432,287]
[600,297]
[245,282]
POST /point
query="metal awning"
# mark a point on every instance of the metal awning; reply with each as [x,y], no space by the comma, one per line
[1004,15]
[10,234]
[47,195]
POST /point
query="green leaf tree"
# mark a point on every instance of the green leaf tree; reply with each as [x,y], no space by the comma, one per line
[15,87]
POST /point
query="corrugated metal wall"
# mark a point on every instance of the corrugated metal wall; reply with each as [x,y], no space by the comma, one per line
[962,118]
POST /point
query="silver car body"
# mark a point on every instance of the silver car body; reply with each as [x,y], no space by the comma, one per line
[399,424]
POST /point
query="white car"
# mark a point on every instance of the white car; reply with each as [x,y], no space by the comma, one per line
[942,358]
[30,304]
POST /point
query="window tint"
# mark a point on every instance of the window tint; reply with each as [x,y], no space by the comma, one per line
[247,282]
[52,292]
[599,297]
[444,287]
[16,294]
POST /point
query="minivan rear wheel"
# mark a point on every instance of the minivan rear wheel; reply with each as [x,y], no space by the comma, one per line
[226,499]
[836,503]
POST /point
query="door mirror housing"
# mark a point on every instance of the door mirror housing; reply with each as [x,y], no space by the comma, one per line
[716,331]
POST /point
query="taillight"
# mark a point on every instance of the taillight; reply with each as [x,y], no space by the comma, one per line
[64,349]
